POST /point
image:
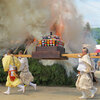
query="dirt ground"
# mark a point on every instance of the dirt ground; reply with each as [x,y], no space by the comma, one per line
[47,93]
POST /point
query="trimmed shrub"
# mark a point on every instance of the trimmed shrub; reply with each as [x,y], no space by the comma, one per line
[3,75]
[54,75]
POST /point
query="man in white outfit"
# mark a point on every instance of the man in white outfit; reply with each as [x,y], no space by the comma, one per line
[85,79]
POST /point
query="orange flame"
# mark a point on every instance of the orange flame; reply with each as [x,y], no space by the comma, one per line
[60,27]
[57,24]
[34,40]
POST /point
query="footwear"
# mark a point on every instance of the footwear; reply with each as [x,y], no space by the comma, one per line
[7,92]
[93,92]
[82,97]
[20,90]
[34,87]
[23,89]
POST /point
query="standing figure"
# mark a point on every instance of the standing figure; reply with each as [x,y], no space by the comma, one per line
[25,75]
[12,64]
[85,79]
[98,65]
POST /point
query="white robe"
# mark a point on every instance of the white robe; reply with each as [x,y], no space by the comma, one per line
[86,62]
[84,81]
[25,75]
[24,62]
[81,66]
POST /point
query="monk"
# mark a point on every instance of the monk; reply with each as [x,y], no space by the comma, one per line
[85,80]
[11,64]
[25,75]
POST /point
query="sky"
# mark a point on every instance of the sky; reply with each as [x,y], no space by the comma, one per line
[90,10]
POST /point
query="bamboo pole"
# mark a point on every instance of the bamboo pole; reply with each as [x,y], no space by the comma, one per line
[16,49]
[92,55]
[28,56]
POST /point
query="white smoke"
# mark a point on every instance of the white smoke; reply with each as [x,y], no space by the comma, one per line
[38,17]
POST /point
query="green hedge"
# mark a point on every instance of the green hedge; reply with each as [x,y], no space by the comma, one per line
[54,75]
[3,74]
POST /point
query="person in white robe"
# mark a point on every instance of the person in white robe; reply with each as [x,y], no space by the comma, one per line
[85,79]
[25,75]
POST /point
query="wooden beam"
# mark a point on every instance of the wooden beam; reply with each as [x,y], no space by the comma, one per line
[92,55]
[29,56]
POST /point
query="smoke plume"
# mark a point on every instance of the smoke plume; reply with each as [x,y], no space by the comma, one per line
[20,18]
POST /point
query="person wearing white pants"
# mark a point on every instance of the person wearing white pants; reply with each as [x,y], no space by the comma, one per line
[85,81]
[25,75]
[11,64]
